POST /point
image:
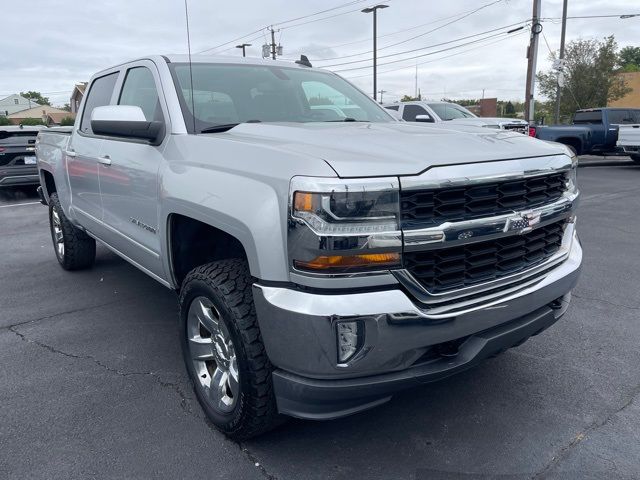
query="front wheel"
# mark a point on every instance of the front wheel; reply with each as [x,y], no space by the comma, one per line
[223,349]
[75,250]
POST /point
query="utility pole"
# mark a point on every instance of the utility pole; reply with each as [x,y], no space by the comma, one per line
[273,43]
[243,46]
[374,10]
[381,92]
[562,36]
[532,56]
[415,91]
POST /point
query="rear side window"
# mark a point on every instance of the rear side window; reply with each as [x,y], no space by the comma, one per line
[410,112]
[620,116]
[139,89]
[588,117]
[99,96]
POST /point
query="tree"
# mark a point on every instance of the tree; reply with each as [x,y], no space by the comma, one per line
[509,109]
[67,122]
[629,59]
[32,121]
[589,76]
[36,97]
[66,107]
[4,120]
[409,98]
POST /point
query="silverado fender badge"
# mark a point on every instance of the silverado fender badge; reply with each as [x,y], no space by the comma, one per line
[142,225]
[522,223]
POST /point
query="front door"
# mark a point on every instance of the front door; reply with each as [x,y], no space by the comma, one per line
[129,177]
[83,155]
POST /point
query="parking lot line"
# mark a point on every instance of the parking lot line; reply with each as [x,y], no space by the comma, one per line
[18,204]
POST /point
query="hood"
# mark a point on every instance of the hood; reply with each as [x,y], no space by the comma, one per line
[394,148]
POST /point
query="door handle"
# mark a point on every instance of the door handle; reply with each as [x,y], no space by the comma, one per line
[70,153]
[105,160]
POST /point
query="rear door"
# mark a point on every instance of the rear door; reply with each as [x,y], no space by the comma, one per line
[83,157]
[129,179]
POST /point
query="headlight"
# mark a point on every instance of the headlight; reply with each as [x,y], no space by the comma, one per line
[572,176]
[342,226]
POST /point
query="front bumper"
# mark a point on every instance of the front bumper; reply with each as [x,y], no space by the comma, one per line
[298,330]
[19,175]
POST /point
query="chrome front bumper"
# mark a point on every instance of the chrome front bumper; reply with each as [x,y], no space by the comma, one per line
[299,332]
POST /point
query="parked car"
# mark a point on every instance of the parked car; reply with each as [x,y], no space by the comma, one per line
[593,130]
[629,141]
[436,112]
[321,265]
[17,156]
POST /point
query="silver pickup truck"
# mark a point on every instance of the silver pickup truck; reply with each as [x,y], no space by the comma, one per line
[323,261]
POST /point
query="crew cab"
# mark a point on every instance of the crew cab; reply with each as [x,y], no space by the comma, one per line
[592,131]
[17,155]
[436,112]
[322,263]
[629,141]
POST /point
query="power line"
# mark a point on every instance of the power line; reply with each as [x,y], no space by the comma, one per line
[428,46]
[443,57]
[465,15]
[288,21]
[330,16]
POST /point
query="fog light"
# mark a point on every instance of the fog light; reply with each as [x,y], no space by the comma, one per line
[349,339]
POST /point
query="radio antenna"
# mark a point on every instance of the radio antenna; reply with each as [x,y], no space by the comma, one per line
[193,104]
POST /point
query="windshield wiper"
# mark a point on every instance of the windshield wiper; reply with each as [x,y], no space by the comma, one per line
[347,119]
[225,127]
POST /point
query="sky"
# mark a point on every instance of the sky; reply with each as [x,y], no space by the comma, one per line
[53,44]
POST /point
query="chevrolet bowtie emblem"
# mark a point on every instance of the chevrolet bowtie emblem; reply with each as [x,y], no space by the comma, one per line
[522,223]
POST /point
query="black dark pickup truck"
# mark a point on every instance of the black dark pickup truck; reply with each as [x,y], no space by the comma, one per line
[18,156]
[593,130]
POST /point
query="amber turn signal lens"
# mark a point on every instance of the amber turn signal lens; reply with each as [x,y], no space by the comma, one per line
[303,202]
[338,262]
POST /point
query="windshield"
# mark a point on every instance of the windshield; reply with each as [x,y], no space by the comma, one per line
[449,111]
[226,94]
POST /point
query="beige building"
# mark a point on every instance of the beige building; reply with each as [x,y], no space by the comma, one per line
[49,115]
[76,96]
[632,99]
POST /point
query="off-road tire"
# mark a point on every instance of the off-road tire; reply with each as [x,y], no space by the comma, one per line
[79,248]
[228,285]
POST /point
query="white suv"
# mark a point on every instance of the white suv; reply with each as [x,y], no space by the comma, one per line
[436,112]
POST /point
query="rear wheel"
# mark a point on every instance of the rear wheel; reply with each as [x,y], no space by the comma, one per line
[223,349]
[75,250]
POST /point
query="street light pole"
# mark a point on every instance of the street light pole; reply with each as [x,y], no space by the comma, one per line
[374,10]
[243,46]
[532,56]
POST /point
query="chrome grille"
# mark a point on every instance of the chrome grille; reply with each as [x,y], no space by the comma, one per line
[441,270]
[427,207]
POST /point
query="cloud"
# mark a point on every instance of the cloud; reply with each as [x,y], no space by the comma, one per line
[57,43]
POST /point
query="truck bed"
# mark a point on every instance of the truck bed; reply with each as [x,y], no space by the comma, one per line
[629,138]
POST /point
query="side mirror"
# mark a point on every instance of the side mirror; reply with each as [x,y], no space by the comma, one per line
[126,121]
[425,118]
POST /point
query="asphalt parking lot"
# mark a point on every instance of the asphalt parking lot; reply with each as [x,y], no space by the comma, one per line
[92,383]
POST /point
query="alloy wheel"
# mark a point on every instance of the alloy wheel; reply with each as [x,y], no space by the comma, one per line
[213,355]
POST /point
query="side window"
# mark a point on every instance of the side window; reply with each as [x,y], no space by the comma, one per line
[410,112]
[98,96]
[139,89]
[392,107]
[620,116]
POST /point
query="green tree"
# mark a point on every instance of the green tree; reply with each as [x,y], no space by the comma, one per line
[509,109]
[629,59]
[67,122]
[66,107]
[4,120]
[36,97]
[409,98]
[589,73]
